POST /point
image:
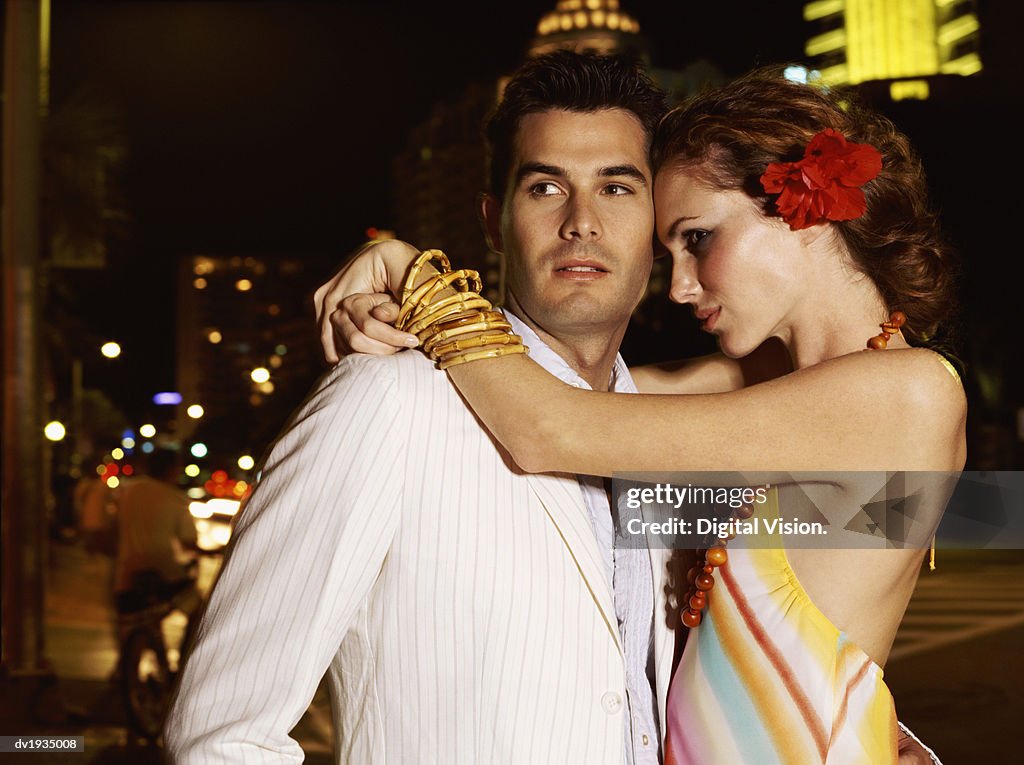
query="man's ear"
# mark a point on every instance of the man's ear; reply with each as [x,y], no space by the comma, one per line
[490,221]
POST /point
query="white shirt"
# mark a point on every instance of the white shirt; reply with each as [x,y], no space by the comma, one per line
[628,570]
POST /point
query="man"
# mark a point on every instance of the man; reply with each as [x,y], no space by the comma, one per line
[462,610]
[96,509]
[156,539]
[541,307]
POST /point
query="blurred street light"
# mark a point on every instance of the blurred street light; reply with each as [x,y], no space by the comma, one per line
[246,462]
[54,431]
[195,411]
[260,374]
[192,470]
[199,450]
[147,430]
[111,350]
[200,510]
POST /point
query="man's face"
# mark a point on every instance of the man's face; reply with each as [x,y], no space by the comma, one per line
[577,219]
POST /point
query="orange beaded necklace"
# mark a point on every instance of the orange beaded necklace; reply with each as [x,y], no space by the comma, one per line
[701,578]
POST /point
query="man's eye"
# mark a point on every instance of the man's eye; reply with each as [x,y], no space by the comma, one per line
[617,190]
[544,189]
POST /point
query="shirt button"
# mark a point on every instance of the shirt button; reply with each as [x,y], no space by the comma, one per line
[645,740]
[612,702]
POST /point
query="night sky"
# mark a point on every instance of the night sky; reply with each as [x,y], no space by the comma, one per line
[269,127]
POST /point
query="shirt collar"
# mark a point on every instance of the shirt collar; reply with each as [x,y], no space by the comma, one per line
[621,381]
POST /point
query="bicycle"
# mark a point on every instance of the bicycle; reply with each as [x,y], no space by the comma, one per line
[144,671]
[145,675]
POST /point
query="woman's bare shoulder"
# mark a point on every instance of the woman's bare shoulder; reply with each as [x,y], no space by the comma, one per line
[915,377]
[912,397]
[713,373]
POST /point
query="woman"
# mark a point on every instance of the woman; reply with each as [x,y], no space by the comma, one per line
[791,215]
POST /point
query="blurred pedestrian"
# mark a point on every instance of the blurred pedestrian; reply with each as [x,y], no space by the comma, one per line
[96,510]
[156,540]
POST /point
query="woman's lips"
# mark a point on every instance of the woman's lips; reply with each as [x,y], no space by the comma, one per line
[708,319]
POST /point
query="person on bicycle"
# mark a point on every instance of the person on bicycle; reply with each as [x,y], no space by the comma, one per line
[156,540]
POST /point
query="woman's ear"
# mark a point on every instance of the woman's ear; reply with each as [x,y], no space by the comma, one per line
[819,233]
[490,221]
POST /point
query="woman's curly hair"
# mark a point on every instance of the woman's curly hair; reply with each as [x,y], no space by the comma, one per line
[731,133]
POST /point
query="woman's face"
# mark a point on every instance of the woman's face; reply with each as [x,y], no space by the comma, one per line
[740,270]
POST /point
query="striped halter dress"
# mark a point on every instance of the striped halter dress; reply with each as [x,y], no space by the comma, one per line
[767,679]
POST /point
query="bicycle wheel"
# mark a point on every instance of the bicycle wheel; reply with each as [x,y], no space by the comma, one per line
[146,681]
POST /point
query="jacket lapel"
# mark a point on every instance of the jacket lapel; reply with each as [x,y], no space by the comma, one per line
[561,497]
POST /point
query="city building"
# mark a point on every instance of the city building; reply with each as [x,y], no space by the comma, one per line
[246,352]
[907,45]
[594,26]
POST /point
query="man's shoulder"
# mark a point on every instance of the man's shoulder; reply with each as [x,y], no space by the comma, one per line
[401,373]
[404,382]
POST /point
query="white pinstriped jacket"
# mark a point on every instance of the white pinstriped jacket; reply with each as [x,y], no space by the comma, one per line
[457,606]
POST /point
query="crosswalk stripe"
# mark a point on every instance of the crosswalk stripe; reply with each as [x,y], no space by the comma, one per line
[937,639]
[957,608]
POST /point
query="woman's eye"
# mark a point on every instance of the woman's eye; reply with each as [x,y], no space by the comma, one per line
[696,239]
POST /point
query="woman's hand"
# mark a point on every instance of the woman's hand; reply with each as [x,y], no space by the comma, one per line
[911,751]
[355,309]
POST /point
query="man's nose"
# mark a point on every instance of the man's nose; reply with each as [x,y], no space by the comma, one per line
[581,220]
[685,287]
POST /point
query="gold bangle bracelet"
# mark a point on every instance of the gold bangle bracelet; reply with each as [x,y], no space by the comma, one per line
[467,276]
[465,358]
[449,306]
[470,318]
[455,320]
[478,341]
[453,328]
[422,259]
[412,302]
[448,334]
[461,320]
[429,289]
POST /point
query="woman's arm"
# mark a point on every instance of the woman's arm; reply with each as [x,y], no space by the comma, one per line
[714,373]
[891,410]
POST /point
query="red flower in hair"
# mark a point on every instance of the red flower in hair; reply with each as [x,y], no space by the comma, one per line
[825,184]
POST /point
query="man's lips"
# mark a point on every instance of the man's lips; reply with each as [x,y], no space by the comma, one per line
[580,270]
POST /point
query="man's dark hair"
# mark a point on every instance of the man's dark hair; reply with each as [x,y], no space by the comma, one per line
[162,464]
[576,82]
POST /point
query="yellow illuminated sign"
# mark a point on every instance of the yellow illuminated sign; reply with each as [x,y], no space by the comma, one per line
[892,40]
